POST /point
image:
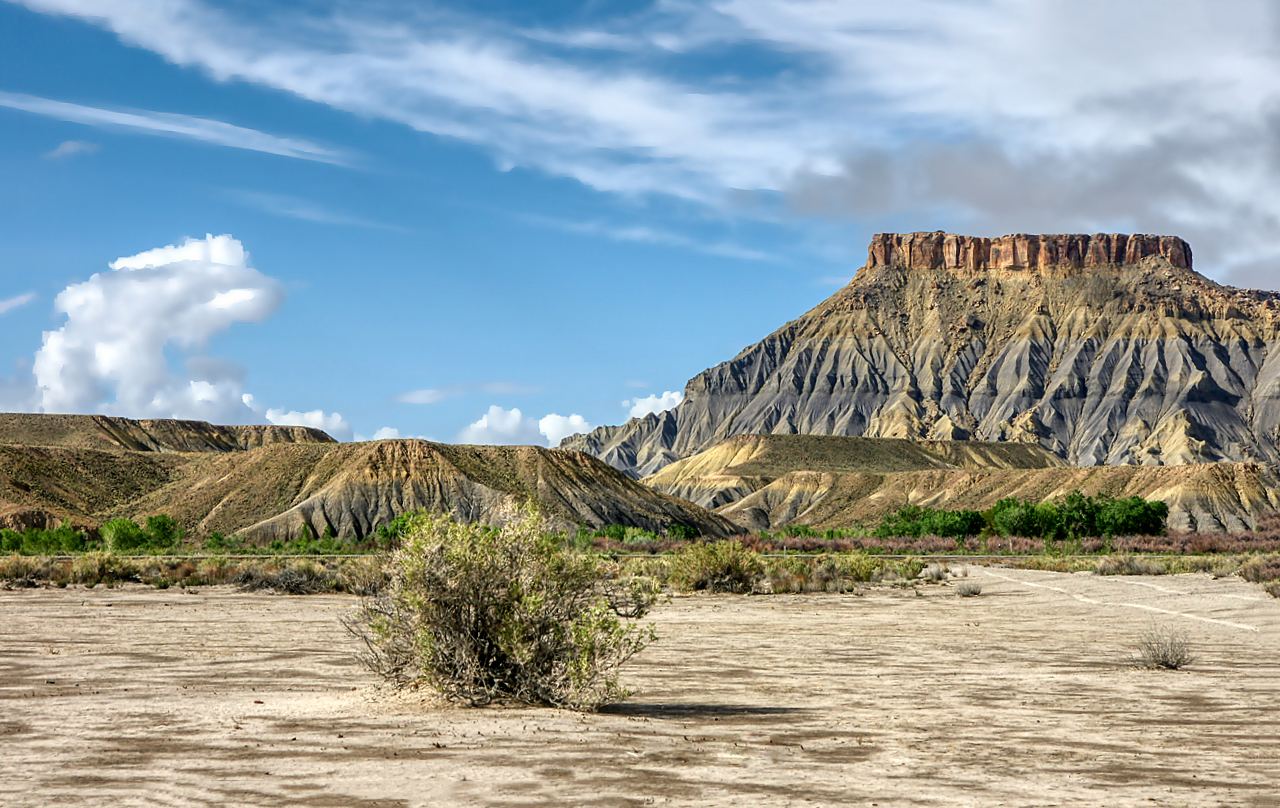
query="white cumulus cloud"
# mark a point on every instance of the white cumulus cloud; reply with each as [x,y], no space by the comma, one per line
[109,356]
[512,427]
[641,407]
[332,423]
[499,426]
[559,427]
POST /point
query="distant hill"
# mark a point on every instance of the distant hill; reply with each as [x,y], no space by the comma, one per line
[1103,349]
[275,491]
[268,483]
[744,464]
[151,435]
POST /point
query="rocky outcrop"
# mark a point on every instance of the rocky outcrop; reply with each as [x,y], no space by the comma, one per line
[1103,349]
[149,435]
[1058,254]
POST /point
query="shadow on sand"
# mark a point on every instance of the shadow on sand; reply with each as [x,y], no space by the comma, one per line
[685,712]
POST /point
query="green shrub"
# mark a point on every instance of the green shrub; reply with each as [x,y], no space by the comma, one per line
[488,615]
[637,535]
[163,532]
[723,566]
[1012,517]
[681,533]
[389,536]
[123,536]
[615,532]
[10,542]
[915,521]
[1133,516]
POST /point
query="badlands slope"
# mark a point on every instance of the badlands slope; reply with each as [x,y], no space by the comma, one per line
[1105,350]
[270,483]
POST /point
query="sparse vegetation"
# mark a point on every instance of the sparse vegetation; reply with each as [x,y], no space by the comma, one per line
[486,615]
[1164,649]
[1129,565]
[969,589]
[723,566]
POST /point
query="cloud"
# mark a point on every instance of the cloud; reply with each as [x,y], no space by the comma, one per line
[499,426]
[15,302]
[432,396]
[332,423]
[559,427]
[989,115]
[641,407]
[109,356]
[71,148]
[651,235]
[168,125]
[422,397]
[295,208]
[511,427]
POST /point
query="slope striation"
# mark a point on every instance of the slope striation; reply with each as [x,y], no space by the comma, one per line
[276,492]
[1104,349]
[744,464]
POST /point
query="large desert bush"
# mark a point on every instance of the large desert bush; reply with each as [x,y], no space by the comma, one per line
[723,566]
[485,615]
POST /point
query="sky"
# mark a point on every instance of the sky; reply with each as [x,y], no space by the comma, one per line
[506,222]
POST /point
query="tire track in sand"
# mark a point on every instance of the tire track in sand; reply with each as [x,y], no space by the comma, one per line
[1125,604]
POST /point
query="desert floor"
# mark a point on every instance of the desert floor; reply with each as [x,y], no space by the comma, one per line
[1022,696]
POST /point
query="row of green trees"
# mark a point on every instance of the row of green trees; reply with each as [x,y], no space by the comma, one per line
[64,540]
[160,533]
[1075,516]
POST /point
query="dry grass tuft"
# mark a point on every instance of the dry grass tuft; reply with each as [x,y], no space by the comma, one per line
[1164,649]
[1129,565]
[936,573]
[969,589]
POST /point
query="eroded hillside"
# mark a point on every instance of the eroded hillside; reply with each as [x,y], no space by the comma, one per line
[350,489]
[744,464]
[1105,350]
[268,483]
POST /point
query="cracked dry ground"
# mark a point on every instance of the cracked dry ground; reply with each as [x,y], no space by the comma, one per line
[1022,696]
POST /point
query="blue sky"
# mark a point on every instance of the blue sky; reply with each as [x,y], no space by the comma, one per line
[415,218]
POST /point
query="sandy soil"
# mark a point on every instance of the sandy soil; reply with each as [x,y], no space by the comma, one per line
[1021,696]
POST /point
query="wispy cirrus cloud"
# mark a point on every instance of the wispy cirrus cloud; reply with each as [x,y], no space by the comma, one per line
[15,302]
[70,148]
[644,234]
[169,124]
[292,207]
[435,396]
[992,115]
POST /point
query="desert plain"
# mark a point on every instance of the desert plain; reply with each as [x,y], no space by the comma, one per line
[1025,695]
